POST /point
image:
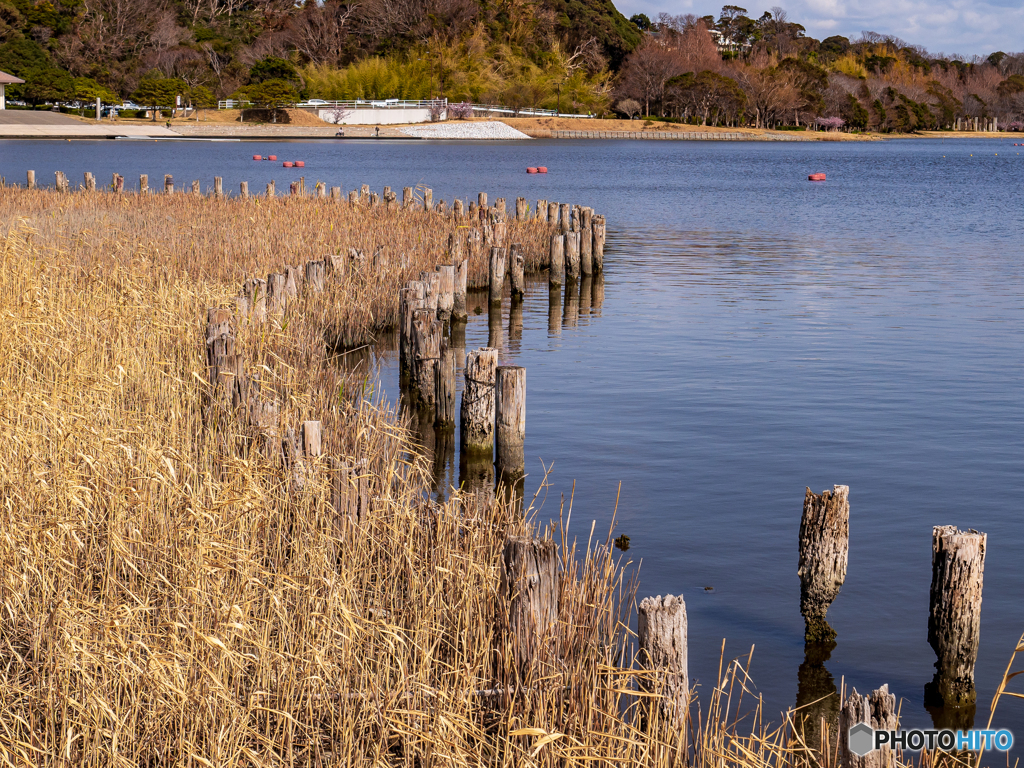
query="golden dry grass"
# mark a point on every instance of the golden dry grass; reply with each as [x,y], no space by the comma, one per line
[170,595]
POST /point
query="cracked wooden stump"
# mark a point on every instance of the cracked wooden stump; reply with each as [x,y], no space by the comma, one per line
[824,547]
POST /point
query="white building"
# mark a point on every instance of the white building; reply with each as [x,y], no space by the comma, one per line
[6,80]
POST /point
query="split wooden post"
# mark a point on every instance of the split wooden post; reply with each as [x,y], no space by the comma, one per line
[481,200]
[477,412]
[431,286]
[277,297]
[954,619]
[499,208]
[118,184]
[877,710]
[459,312]
[565,217]
[335,193]
[530,587]
[243,190]
[311,435]
[353,198]
[542,211]
[661,630]
[293,281]
[458,210]
[426,349]
[444,382]
[824,548]
[168,183]
[407,197]
[446,292]
[218,186]
[321,190]
[143,183]
[556,269]
[316,274]
[90,182]
[61,181]
[510,421]
[598,243]
[496,274]
[255,292]
[410,299]
[553,209]
[575,223]
[271,189]
[587,242]
[474,211]
[196,188]
[572,256]
[30,179]
[428,199]
[517,261]
[364,194]
[521,209]
[374,199]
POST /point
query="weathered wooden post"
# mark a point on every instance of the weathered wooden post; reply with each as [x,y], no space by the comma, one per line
[364,194]
[30,179]
[878,711]
[428,199]
[556,270]
[321,190]
[293,188]
[444,381]
[271,189]
[458,210]
[410,299]
[218,188]
[406,197]
[661,631]
[431,285]
[353,198]
[565,217]
[572,256]
[143,183]
[350,494]
[510,421]
[598,243]
[426,348]
[90,182]
[553,209]
[446,292]
[587,242]
[196,188]
[311,435]
[529,585]
[499,208]
[168,183]
[954,620]
[243,190]
[473,211]
[481,200]
[374,199]
[61,181]
[542,211]
[316,274]
[118,184]
[459,313]
[277,297]
[521,209]
[824,547]
[293,281]
[496,274]
[477,412]
[574,224]
[517,262]
[255,292]
[335,193]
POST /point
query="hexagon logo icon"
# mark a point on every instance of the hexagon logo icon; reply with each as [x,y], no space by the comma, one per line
[861,739]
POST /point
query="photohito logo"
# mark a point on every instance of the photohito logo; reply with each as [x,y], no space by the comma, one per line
[864,739]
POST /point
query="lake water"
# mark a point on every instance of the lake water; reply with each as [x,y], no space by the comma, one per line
[758,334]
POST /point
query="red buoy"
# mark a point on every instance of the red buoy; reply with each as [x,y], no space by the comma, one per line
[816,177]
[531,170]
[300,163]
[286,164]
[271,157]
[542,169]
[257,157]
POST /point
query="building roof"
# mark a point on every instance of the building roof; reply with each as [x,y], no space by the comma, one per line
[6,79]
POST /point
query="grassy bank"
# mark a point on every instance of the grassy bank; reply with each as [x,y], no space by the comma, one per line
[170,596]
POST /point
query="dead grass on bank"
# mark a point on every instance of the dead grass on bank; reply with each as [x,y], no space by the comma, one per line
[171,597]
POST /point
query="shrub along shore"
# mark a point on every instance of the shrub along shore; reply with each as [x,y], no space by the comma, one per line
[173,592]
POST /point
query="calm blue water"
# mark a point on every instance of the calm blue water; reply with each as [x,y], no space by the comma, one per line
[758,334]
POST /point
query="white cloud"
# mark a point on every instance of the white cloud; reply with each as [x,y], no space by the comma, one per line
[951,26]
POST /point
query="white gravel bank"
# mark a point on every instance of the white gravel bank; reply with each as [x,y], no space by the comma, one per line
[488,130]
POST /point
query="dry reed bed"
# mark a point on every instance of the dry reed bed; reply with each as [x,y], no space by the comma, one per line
[168,596]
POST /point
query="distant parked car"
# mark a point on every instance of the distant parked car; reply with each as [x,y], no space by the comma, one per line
[316,102]
[129,105]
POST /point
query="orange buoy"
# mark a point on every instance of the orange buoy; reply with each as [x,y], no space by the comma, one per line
[542,169]
[816,177]
[300,163]
[271,157]
[286,164]
[257,157]
[531,170]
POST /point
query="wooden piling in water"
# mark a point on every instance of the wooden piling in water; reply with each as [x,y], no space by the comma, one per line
[517,261]
[353,198]
[335,193]
[445,292]
[90,182]
[574,221]
[271,189]
[321,190]
[426,350]
[143,184]
[499,208]
[824,548]
[477,412]
[118,184]
[565,217]
[521,209]
[556,268]
[410,299]
[428,200]
[444,382]
[496,275]
[30,179]
[168,183]
[218,186]
[431,285]
[510,421]
[530,589]
[196,188]
[277,298]
[458,210]
[406,197]
[364,194]
[542,211]
[954,619]
[572,256]
[553,209]
[598,243]
[459,313]
[243,190]
[662,636]
[374,199]
[587,242]
[481,200]
[316,274]
[61,181]
[877,710]
[255,292]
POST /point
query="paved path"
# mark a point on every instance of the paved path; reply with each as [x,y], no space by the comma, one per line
[30,124]
[279,131]
[681,135]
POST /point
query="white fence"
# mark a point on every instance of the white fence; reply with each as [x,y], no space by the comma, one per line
[437,105]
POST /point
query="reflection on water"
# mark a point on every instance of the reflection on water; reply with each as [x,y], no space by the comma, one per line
[817,699]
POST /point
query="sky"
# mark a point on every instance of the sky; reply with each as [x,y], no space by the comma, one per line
[965,27]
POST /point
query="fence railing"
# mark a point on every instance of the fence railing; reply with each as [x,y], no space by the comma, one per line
[352,104]
[524,112]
